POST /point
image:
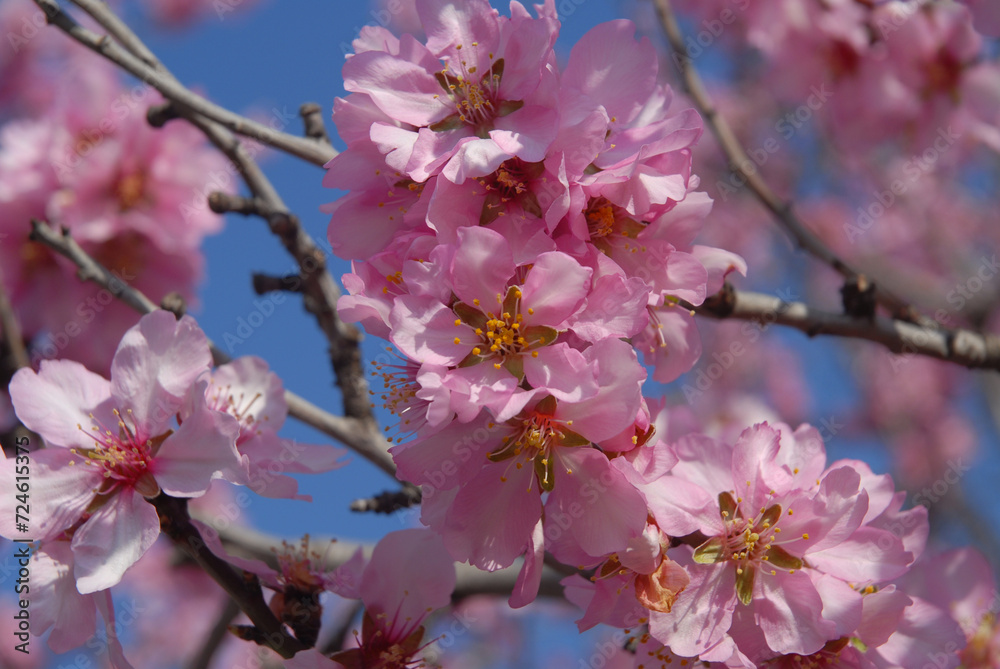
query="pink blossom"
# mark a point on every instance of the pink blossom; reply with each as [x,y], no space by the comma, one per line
[132,196]
[629,584]
[56,604]
[247,390]
[113,446]
[777,524]
[488,103]
[490,519]
[410,575]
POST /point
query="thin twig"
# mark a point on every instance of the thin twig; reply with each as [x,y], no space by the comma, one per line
[10,328]
[215,637]
[176,524]
[962,347]
[320,292]
[738,162]
[361,436]
[312,119]
[188,102]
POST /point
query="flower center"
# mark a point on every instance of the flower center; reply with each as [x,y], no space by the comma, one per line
[130,190]
[611,228]
[399,396]
[124,456]
[476,98]
[240,408]
[749,542]
[534,440]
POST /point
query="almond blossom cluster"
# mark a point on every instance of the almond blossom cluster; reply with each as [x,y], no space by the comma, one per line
[132,196]
[524,233]
[513,226]
[164,423]
[910,71]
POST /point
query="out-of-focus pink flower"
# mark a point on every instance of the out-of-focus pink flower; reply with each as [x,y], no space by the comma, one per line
[57,604]
[409,576]
[247,390]
[133,197]
[113,445]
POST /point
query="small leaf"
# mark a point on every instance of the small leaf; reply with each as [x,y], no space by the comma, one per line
[446,81]
[509,107]
[545,468]
[470,315]
[744,583]
[782,559]
[547,406]
[727,505]
[451,122]
[710,552]
[492,206]
[515,365]
[771,515]
[537,336]
[529,202]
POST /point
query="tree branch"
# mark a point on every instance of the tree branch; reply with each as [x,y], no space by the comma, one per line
[738,160]
[361,436]
[176,523]
[123,53]
[215,637]
[962,347]
[320,291]
[248,543]
[10,328]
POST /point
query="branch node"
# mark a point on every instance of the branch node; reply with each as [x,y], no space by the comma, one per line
[175,303]
[159,115]
[722,303]
[389,501]
[858,298]
[312,119]
[266,283]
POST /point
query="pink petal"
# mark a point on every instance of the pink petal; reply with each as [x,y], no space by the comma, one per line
[59,494]
[787,609]
[603,510]
[481,268]
[155,365]
[55,601]
[59,399]
[530,576]
[189,459]
[112,540]
[561,371]
[607,65]
[555,289]
[702,613]
[405,91]
[425,330]
[253,387]
[491,520]
[410,574]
